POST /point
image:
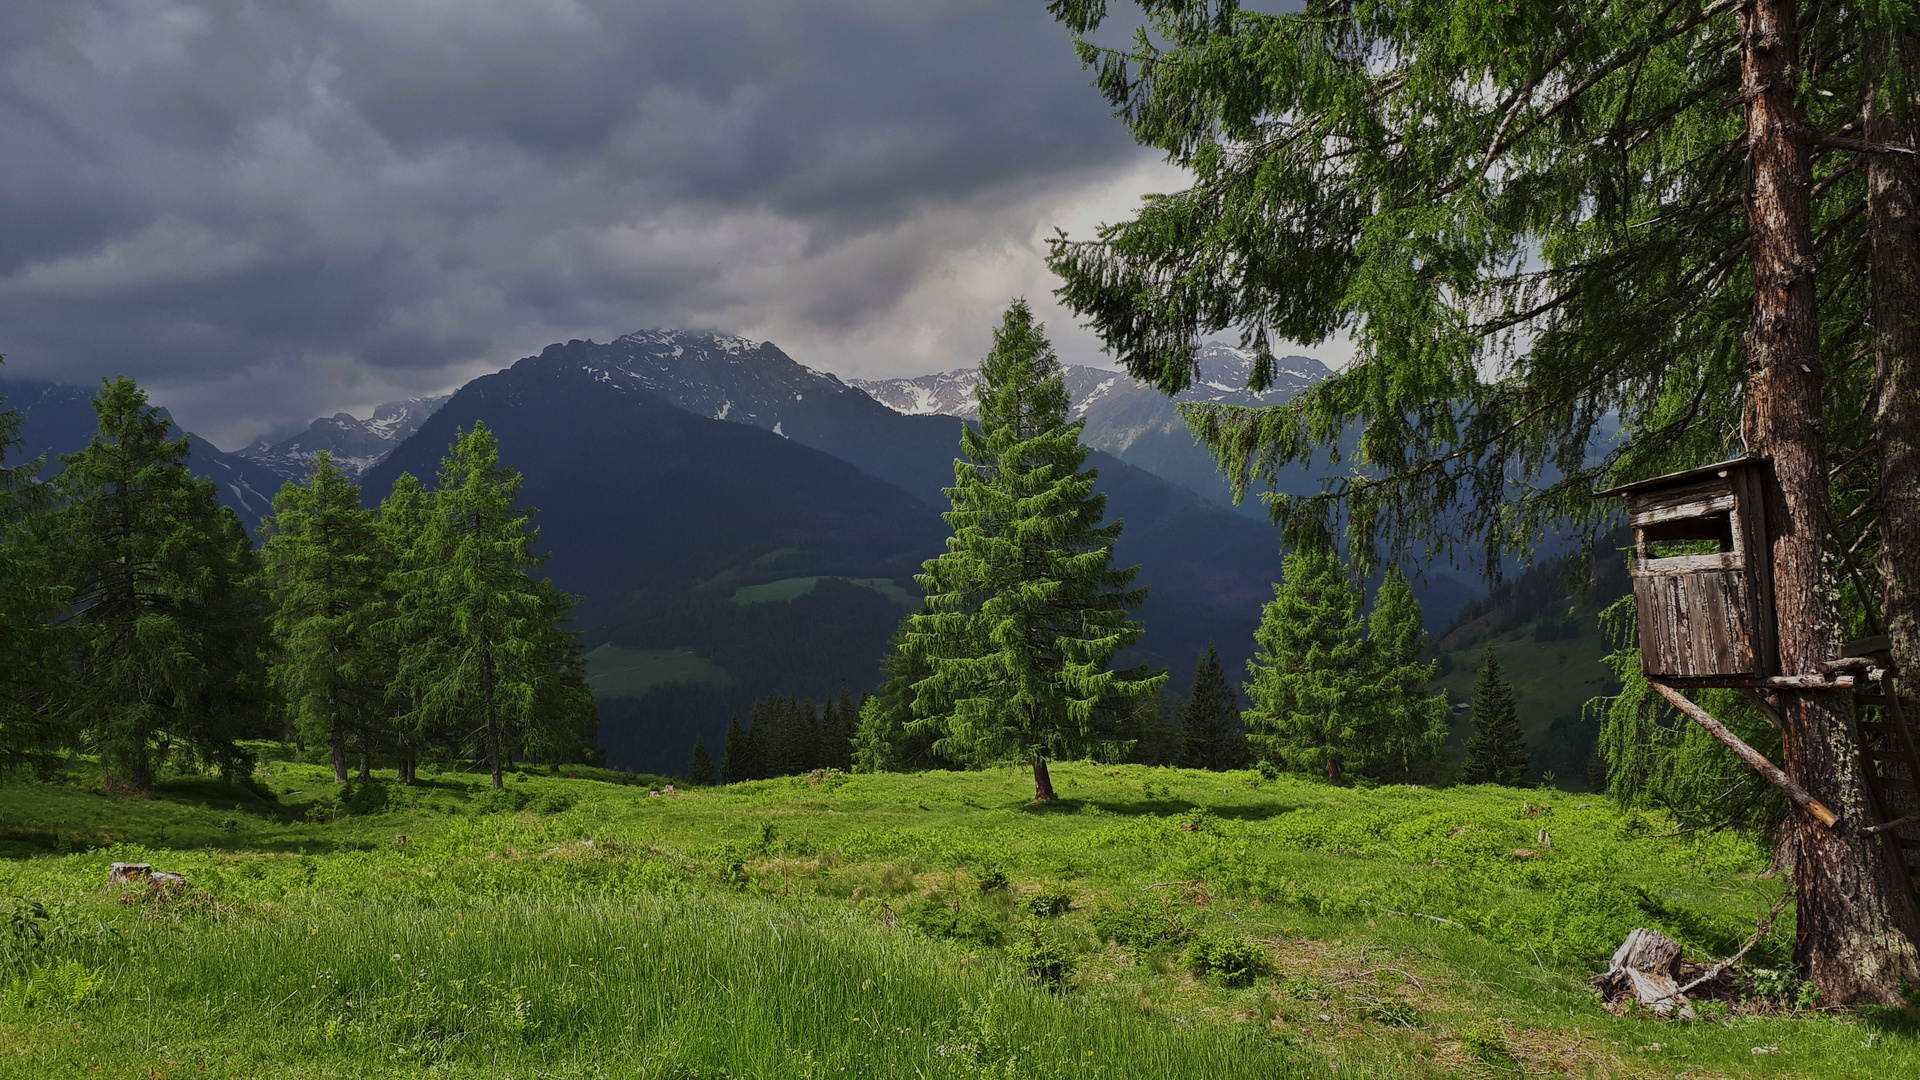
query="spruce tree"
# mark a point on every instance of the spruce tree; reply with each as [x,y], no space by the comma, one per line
[1408,724]
[327,569]
[1024,612]
[1211,719]
[1311,687]
[31,729]
[490,661]
[1497,751]
[168,628]
[736,757]
[701,770]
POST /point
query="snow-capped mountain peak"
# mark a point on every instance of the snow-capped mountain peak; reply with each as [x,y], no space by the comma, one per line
[356,445]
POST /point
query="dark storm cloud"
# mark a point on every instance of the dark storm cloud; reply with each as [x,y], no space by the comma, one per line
[269,209]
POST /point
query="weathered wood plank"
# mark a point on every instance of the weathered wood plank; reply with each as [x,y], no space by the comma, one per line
[1669,511]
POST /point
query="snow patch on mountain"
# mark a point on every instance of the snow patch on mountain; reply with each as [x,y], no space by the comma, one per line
[1221,376]
[356,445]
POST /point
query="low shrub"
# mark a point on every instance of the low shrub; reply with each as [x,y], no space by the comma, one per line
[1138,924]
[1045,959]
[936,918]
[1227,957]
[1049,901]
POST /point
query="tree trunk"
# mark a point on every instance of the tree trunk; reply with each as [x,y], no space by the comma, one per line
[1893,189]
[366,765]
[337,736]
[493,723]
[1849,940]
[1042,781]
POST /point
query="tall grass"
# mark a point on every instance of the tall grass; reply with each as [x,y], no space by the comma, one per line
[649,986]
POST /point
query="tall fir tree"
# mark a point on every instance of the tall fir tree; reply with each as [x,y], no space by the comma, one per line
[491,662]
[168,626]
[1311,686]
[1024,612]
[1497,750]
[736,757]
[327,569]
[31,728]
[1408,724]
[700,770]
[1210,720]
[885,738]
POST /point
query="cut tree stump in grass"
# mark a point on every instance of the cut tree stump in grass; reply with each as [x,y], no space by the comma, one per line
[121,873]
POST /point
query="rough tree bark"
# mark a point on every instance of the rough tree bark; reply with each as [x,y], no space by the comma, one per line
[1849,934]
[337,735]
[1893,181]
[1042,781]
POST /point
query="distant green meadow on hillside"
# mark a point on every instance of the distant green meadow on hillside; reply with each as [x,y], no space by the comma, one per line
[1152,923]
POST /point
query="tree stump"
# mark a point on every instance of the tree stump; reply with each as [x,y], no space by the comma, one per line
[1646,968]
[121,873]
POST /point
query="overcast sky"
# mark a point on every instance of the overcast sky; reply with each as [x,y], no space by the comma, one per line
[268,212]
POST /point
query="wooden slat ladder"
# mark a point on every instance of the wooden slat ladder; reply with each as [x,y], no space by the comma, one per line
[1890,757]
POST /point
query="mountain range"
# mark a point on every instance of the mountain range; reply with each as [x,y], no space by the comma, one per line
[738,524]
[1128,419]
[356,445]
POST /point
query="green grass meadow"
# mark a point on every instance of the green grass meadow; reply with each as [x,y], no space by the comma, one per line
[1152,923]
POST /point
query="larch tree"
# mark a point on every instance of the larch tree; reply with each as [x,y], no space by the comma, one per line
[167,627]
[410,614]
[1535,220]
[1311,689]
[1210,719]
[487,653]
[1409,724]
[1497,750]
[1025,611]
[326,569]
[31,728]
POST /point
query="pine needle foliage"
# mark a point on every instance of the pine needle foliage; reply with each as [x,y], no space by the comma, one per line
[1527,217]
[1311,690]
[1409,724]
[167,627]
[326,570]
[1210,719]
[1024,612]
[1497,750]
[700,770]
[487,661]
[31,730]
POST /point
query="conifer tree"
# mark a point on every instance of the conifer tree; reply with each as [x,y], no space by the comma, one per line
[1497,751]
[410,614]
[736,757]
[1691,222]
[882,739]
[327,568]
[168,626]
[1024,612]
[1409,725]
[1311,688]
[1210,721]
[701,770]
[490,663]
[31,729]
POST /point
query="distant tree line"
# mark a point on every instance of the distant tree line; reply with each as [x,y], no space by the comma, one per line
[139,623]
[784,736]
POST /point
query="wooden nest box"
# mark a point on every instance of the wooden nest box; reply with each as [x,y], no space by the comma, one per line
[1703,574]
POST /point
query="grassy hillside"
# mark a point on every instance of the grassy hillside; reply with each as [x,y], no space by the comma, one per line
[1154,923]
